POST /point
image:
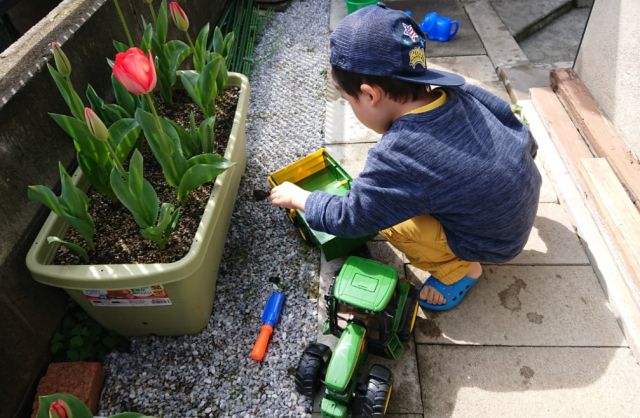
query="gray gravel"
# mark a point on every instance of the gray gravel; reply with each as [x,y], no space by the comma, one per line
[212,374]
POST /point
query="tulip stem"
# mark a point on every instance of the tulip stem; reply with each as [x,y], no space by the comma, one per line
[153,14]
[117,161]
[153,109]
[193,48]
[74,96]
[124,24]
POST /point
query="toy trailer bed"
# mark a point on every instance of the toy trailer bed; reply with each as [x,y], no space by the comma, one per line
[319,171]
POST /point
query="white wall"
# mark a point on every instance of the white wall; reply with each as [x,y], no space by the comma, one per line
[608,63]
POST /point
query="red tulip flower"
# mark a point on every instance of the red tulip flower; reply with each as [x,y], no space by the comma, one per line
[59,409]
[135,71]
[179,17]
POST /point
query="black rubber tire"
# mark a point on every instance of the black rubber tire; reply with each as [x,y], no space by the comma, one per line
[375,400]
[404,334]
[308,374]
[305,234]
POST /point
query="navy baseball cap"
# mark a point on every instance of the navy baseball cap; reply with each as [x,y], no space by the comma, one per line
[379,41]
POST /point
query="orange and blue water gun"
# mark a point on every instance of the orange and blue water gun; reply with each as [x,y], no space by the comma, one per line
[269,317]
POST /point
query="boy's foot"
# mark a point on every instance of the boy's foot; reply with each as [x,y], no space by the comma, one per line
[434,297]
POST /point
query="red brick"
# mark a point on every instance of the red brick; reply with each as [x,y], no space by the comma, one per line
[81,379]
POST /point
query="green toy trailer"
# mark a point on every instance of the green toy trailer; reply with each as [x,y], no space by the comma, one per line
[319,171]
[370,310]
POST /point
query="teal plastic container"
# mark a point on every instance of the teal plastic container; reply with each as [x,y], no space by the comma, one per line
[353,5]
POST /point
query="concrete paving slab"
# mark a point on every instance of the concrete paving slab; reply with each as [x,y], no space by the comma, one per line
[520,78]
[528,381]
[524,306]
[350,156]
[474,68]
[498,42]
[384,252]
[552,241]
[547,194]
[525,17]
[559,41]
[341,124]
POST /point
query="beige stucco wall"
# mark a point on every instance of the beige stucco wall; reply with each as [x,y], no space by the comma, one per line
[608,63]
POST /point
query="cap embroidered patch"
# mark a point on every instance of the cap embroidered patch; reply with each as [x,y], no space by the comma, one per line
[408,30]
[416,56]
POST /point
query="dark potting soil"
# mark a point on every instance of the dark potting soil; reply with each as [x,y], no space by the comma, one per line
[117,237]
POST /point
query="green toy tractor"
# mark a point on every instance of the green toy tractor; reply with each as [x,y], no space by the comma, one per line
[370,310]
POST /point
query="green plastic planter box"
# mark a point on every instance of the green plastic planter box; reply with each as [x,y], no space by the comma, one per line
[319,171]
[164,298]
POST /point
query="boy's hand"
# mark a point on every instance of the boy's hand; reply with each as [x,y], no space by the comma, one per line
[290,196]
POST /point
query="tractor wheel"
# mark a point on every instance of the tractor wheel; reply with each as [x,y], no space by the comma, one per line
[291,214]
[309,373]
[409,315]
[306,234]
[377,397]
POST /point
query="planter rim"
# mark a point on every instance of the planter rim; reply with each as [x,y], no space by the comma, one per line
[118,276]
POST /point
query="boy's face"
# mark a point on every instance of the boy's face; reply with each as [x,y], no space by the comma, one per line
[370,116]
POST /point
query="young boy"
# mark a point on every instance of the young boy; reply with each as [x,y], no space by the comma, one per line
[452,181]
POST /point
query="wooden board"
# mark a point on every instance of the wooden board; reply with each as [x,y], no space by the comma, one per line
[620,215]
[597,129]
[566,138]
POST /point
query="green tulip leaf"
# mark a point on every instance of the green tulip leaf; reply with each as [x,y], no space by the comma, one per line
[115,112]
[228,44]
[213,159]
[44,195]
[198,175]
[189,81]
[218,40]
[97,175]
[68,94]
[120,47]
[162,24]
[79,409]
[206,87]
[97,105]
[136,193]
[200,54]
[162,147]
[176,52]
[154,233]
[89,146]
[172,225]
[71,206]
[206,136]
[146,45]
[123,97]
[190,148]
[123,136]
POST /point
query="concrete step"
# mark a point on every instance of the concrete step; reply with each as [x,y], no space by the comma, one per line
[523,18]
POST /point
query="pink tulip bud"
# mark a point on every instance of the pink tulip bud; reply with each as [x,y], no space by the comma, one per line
[62,62]
[135,71]
[179,17]
[59,409]
[97,128]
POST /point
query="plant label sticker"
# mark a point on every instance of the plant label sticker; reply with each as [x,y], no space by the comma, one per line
[142,296]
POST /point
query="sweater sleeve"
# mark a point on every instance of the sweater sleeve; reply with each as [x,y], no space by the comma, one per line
[379,198]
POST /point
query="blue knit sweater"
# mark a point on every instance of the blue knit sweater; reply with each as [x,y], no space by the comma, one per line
[468,163]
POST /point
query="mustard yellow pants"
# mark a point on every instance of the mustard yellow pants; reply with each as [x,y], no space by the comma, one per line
[423,241]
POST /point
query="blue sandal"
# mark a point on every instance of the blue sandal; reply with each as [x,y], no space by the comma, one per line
[452,293]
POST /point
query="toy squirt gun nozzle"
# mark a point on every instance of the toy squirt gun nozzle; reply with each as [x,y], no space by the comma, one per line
[269,317]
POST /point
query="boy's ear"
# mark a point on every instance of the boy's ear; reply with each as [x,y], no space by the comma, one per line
[373,92]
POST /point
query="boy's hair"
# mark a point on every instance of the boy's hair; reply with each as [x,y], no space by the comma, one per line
[395,89]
